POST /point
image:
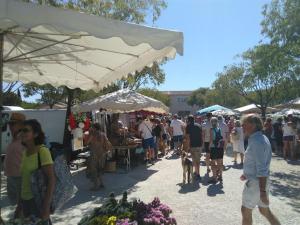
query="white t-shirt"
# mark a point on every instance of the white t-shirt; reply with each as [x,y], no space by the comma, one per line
[146,128]
[287,130]
[207,128]
[177,127]
[224,130]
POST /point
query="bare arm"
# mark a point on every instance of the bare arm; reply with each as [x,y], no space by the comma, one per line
[49,173]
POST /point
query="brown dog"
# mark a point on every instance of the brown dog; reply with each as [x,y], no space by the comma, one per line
[187,166]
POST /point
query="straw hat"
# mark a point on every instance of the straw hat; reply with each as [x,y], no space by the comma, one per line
[17,117]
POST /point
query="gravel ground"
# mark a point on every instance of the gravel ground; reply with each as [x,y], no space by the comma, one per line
[192,204]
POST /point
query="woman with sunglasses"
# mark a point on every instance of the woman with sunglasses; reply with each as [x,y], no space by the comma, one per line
[33,139]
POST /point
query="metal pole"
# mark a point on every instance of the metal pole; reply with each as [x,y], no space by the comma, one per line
[1,108]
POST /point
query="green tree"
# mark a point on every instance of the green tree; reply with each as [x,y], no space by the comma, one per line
[48,94]
[198,97]
[258,77]
[156,94]
[223,93]
[11,99]
[281,24]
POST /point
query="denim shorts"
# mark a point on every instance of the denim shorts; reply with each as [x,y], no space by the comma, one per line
[288,138]
[178,138]
[148,143]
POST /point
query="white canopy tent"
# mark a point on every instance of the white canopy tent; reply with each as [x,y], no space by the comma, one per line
[293,104]
[223,112]
[62,47]
[122,101]
[252,108]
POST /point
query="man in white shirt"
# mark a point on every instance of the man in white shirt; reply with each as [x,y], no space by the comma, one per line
[206,138]
[145,130]
[177,127]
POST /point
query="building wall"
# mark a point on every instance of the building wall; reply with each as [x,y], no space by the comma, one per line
[178,103]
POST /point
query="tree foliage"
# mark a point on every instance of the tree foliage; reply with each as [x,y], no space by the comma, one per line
[48,94]
[154,93]
[11,99]
[198,97]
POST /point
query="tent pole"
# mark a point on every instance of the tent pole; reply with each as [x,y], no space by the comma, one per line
[1,108]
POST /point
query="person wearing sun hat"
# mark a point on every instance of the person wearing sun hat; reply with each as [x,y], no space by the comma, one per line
[13,158]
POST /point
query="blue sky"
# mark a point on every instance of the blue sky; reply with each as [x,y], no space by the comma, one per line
[215,31]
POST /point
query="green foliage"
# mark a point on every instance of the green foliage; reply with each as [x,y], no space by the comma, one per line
[149,75]
[154,93]
[48,94]
[131,11]
[11,98]
[198,97]
[29,105]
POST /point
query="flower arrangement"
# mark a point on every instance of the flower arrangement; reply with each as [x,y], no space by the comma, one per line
[80,120]
[130,213]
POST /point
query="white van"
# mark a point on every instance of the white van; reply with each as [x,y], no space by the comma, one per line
[51,120]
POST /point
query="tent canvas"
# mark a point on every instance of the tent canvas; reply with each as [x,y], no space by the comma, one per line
[295,104]
[122,101]
[252,108]
[211,109]
[63,47]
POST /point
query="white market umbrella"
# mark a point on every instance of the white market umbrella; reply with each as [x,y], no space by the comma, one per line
[122,101]
[48,45]
[295,104]
[288,111]
[252,108]
[223,112]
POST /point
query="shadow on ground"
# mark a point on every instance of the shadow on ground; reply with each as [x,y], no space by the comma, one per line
[234,166]
[186,188]
[215,189]
[287,185]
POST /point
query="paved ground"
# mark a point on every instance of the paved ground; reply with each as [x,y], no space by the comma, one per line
[193,204]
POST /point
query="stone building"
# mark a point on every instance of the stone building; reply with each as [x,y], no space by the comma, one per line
[178,103]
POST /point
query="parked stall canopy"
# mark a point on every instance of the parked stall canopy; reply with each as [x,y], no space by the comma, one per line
[122,101]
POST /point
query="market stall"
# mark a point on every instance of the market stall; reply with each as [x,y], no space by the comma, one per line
[118,114]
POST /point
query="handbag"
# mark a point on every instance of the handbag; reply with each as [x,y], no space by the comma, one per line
[64,187]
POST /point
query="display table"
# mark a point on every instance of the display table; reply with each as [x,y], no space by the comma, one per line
[127,149]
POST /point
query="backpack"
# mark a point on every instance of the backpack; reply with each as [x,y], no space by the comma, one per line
[218,142]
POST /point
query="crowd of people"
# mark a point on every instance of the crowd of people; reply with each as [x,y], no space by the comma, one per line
[160,136]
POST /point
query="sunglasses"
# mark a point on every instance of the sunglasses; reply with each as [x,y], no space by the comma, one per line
[25,130]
